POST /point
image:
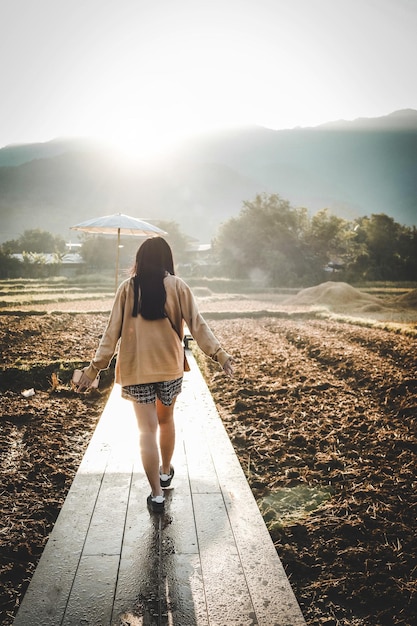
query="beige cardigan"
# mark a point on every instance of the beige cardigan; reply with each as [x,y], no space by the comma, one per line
[152,351]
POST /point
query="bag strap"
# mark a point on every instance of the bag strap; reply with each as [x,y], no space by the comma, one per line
[173,325]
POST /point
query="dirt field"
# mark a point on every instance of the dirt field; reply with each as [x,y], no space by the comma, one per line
[323,417]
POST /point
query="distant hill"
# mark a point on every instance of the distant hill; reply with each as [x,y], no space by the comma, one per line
[354,168]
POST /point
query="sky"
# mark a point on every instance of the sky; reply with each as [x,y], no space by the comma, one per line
[144,73]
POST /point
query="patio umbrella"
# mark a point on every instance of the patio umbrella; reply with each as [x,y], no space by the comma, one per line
[119,224]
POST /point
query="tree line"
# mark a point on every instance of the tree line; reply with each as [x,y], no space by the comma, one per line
[39,254]
[269,241]
[285,246]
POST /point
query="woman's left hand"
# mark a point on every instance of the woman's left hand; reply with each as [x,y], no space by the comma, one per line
[228,367]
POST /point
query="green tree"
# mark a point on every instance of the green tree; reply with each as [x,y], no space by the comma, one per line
[178,241]
[265,241]
[330,239]
[387,248]
[9,266]
[408,247]
[99,252]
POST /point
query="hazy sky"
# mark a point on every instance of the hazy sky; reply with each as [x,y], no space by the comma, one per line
[142,71]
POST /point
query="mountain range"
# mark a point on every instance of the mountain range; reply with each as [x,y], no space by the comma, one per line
[353,168]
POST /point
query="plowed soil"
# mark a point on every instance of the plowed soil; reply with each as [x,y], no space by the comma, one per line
[323,417]
[326,413]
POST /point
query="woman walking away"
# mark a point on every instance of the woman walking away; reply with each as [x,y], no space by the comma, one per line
[148,316]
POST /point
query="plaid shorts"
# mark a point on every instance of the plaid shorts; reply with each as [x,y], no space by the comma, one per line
[165,391]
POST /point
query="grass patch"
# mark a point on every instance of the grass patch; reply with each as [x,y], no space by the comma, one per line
[290,505]
[407,328]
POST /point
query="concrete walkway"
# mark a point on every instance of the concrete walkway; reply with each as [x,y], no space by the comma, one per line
[208,560]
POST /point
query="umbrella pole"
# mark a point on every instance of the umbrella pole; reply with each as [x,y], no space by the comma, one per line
[117,260]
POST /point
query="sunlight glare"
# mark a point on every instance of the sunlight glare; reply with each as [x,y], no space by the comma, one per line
[145,108]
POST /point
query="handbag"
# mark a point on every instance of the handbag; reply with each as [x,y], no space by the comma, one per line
[187,367]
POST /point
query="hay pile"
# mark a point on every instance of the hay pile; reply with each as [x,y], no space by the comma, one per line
[337,296]
[408,300]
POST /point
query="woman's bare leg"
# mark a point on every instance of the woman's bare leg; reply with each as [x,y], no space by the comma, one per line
[147,418]
[166,433]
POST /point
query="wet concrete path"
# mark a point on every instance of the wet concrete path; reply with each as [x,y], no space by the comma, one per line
[208,560]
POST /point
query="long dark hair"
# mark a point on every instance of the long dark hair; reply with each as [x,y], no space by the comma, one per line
[153,261]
